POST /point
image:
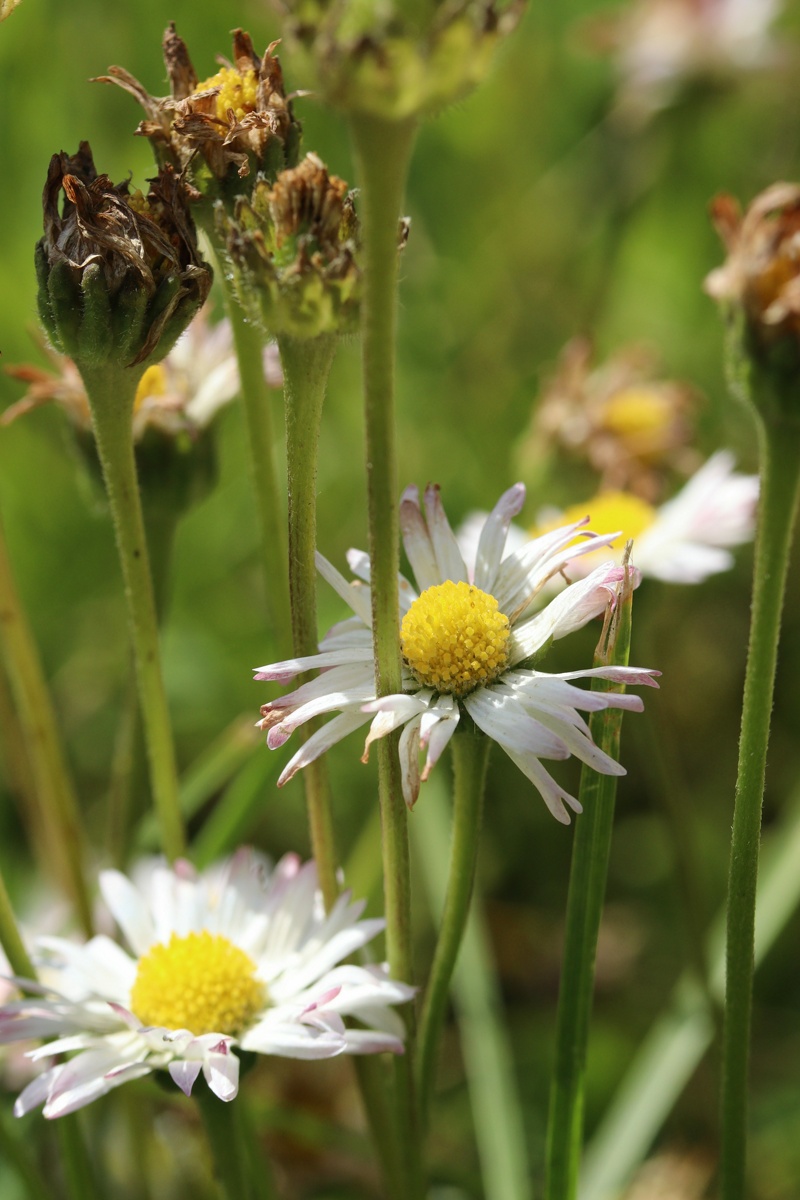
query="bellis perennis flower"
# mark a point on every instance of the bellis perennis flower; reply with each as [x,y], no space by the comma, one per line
[468,640]
[237,956]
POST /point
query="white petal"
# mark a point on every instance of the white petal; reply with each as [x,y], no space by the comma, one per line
[320,741]
[221,1073]
[184,1074]
[129,909]
[493,536]
[356,597]
[449,563]
[416,540]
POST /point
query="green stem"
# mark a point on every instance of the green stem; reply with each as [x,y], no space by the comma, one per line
[587,885]
[383,153]
[780,482]
[306,367]
[59,807]
[79,1173]
[10,938]
[16,1154]
[248,342]
[111,394]
[483,1034]
[470,759]
[242,1172]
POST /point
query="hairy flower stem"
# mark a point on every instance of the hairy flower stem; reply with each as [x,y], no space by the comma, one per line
[248,342]
[60,818]
[587,886]
[306,367]
[383,153]
[470,759]
[780,486]
[111,393]
[240,1169]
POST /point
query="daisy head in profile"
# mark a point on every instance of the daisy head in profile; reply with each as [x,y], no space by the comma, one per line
[238,957]
[471,637]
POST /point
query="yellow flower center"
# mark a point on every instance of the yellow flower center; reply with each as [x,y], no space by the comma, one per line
[236,90]
[152,383]
[638,410]
[200,982]
[454,638]
[608,512]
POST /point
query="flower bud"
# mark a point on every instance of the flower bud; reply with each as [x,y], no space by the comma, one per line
[120,275]
[398,60]
[217,130]
[758,287]
[292,246]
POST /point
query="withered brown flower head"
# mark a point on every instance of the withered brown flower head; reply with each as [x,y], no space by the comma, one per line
[120,274]
[761,274]
[238,118]
[630,426]
[293,246]
[381,59]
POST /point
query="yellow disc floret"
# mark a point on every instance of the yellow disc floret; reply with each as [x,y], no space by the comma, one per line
[152,383]
[639,411]
[200,982]
[237,90]
[454,638]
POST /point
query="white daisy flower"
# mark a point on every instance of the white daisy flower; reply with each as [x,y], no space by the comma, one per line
[467,645]
[685,540]
[235,957]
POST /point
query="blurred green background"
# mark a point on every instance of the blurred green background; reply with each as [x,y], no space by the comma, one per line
[534,217]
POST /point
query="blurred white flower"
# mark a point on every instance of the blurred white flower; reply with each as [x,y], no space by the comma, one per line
[180,395]
[683,541]
[466,637]
[662,43]
[237,956]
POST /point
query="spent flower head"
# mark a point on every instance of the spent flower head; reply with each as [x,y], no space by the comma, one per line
[120,274]
[293,249]
[758,287]
[393,59]
[238,957]
[469,645]
[216,130]
[620,417]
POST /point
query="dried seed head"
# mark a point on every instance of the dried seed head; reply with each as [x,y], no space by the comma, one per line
[218,129]
[759,286]
[120,274]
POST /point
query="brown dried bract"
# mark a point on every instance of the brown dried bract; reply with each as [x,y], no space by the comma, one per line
[306,199]
[762,271]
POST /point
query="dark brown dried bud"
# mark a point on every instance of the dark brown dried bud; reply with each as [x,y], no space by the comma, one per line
[220,128]
[120,274]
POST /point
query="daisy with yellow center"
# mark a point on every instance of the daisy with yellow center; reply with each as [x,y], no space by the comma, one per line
[235,957]
[467,639]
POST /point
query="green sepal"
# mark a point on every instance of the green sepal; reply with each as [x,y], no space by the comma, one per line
[158,313]
[66,303]
[43,295]
[96,334]
[130,307]
[180,319]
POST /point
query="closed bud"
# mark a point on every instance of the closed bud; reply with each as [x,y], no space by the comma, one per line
[293,250]
[120,275]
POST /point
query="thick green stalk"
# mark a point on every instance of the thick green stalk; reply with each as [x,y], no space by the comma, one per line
[56,796]
[470,759]
[780,483]
[383,152]
[111,394]
[306,367]
[240,1168]
[79,1170]
[587,885]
